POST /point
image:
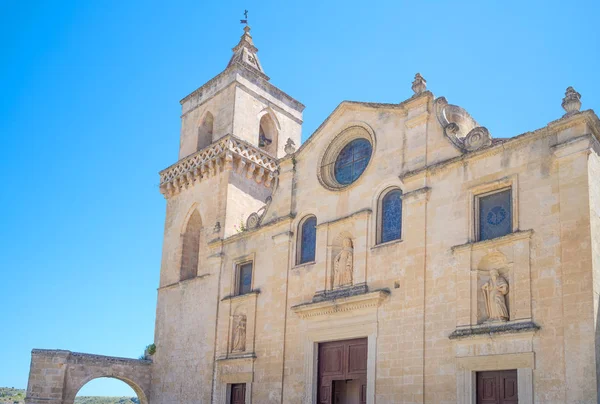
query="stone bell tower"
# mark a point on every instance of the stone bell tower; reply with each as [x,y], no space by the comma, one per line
[238,123]
[242,102]
[234,129]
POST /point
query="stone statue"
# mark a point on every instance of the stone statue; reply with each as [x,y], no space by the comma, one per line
[343,265]
[494,292]
[238,340]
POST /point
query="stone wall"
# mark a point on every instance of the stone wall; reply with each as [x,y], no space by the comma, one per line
[418,300]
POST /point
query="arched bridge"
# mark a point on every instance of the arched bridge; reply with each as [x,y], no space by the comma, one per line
[56,376]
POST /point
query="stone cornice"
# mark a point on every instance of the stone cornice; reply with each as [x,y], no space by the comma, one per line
[244,71]
[88,357]
[509,238]
[339,219]
[587,117]
[252,294]
[247,233]
[487,330]
[356,302]
[227,153]
[573,146]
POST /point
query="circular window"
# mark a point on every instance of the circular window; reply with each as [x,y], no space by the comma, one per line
[352,161]
[346,158]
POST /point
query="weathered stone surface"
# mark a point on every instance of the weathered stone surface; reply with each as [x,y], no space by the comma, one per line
[418,300]
[57,375]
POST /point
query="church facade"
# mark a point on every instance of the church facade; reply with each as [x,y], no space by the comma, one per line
[401,254]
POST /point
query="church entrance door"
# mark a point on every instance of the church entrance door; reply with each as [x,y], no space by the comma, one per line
[499,387]
[342,377]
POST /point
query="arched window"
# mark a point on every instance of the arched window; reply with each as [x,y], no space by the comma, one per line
[267,135]
[390,216]
[307,240]
[191,247]
[205,131]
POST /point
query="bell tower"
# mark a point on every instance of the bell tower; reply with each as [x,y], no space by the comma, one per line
[234,128]
[241,102]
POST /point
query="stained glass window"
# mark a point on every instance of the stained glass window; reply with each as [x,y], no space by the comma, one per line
[495,215]
[308,239]
[352,161]
[245,278]
[391,216]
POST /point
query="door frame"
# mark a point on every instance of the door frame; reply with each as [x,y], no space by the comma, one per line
[324,332]
[467,368]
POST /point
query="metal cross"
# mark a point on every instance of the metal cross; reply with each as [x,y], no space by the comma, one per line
[245,20]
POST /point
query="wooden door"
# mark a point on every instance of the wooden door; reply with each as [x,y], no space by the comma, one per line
[238,393]
[341,360]
[498,387]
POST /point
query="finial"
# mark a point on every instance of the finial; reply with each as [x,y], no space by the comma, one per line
[572,101]
[419,85]
[290,146]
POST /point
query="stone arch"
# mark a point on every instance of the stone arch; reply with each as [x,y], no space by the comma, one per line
[71,394]
[190,246]
[205,131]
[268,134]
[56,376]
[494,260]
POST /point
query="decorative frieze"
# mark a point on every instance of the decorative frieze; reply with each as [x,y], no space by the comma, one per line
[227,153]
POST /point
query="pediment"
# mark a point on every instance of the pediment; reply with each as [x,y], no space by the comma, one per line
[322,307]
[330,126]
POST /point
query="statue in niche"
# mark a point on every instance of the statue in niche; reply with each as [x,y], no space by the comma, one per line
[343,265]
[238,339]
[494,292]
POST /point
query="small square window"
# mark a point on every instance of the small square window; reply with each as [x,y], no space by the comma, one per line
[495,214]
[244,278]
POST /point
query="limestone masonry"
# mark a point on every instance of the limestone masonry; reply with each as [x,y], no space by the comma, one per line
[400,255]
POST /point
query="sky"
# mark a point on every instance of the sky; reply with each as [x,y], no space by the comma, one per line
[89,113]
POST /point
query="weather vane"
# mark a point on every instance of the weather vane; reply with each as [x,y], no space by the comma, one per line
[245,20]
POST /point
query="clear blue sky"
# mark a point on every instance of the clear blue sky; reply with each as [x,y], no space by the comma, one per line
[89,113]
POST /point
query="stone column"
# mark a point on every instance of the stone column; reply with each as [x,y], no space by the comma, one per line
[47,376]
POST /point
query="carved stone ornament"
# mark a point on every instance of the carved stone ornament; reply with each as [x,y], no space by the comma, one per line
[238,335]
[494,292]
[226,154]
[477,138]
[217,227]
[290,146]
[462,130]
[256,218]
[343,265]
[419,84]
[572,101]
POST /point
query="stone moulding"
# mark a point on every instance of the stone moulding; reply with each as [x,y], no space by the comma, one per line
[88,357]
[494,242]
[343,304]
[234,356]
[227,153]
[509,327]
[254,292]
